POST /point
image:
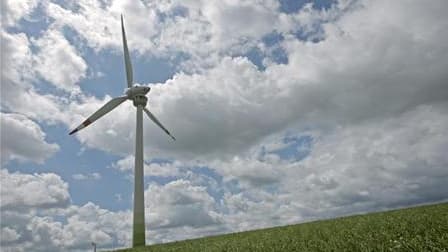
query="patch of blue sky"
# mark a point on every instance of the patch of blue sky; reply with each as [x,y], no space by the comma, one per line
[106,70]
[210,177]
[104,190]
[315,35]
[274,52]
[208,172]
[232,186]
[97,82]
[296,148]
[43,87]
[256,56]
[32,24]
[278,55]
[107,74]
[101,191]
[70,5]
[293,6]
[159,180]
[272,38]
[148,69]
[177,11]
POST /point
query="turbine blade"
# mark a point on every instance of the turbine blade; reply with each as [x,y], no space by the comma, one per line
[127,59]
[106,108]
[154,119]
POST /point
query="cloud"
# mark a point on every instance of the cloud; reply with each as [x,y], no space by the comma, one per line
[49,50]
[89,223]
[118,129]
[376,165]
[236,23]
[99,23]
[24,191]
[19,94]
[367,85]
[69,229]
[160,169]
[250,171]
[351,169]
[387,163]
[344,79]
[55,50]
[16,51]
[323,84]
[8,235]
[37,214]
[169,29]
[89,176]
[179,203]
[24,140]
[13,11]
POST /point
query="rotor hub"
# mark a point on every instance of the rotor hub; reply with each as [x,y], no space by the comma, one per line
[140,100]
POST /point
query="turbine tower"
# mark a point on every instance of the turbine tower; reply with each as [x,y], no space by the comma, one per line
[137,94]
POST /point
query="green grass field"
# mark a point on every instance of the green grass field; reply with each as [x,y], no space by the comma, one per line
[423,228]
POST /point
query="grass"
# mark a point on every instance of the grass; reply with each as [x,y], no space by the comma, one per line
[423,228]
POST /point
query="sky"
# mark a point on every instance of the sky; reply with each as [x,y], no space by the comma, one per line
[284,112]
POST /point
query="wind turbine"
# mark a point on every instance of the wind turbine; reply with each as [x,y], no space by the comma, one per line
[136,93]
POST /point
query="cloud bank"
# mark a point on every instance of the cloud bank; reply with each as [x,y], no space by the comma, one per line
[352,117]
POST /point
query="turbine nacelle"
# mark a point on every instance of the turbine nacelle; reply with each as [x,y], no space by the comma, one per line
[136,90]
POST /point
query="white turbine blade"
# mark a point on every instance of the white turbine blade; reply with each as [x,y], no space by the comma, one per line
[106,108]
[127,59]
[154,119]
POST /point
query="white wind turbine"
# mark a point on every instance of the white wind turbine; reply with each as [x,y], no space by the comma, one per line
[136,93]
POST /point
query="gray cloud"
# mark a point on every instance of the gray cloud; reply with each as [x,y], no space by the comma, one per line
[374,165]
[180,203]
[373,92]
[345,79]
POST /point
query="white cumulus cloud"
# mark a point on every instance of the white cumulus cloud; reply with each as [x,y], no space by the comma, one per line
[23,140]
[24,191]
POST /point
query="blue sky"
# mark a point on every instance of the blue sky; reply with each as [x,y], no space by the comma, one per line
[284,111]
